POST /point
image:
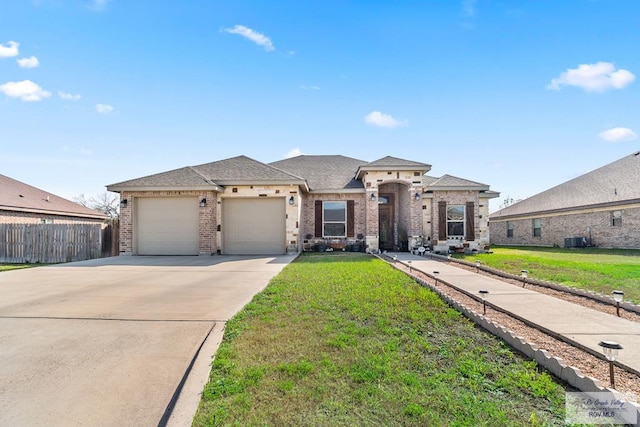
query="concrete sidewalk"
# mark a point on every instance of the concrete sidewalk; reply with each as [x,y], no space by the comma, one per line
[585,326]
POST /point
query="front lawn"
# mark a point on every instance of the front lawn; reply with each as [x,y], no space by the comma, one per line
[598,270]
[345,339]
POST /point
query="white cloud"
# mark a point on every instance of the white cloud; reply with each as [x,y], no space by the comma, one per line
[469,7]
[309,87]
[98,4]
[618,134]
[376,118]
[26,90]
[293,153]
[68,96]
[31,62]
[596,77]
[8,50]
[258,38]
[104,108]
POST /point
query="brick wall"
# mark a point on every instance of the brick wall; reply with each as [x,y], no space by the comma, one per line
[555,228]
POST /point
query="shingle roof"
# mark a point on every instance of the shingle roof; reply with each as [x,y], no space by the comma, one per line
[450,182]
[615,183]
[21,197]
[324,172]
[395,162]
[239,169]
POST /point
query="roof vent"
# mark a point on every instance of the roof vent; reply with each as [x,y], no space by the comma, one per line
[47,198]
[636,153]
[21,195]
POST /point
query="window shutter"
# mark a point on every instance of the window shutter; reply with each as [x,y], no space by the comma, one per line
[442,220]
[350,218]
[470,230]
[318,224]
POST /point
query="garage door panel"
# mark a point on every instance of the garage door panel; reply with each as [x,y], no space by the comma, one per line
[167,226]
[254,226]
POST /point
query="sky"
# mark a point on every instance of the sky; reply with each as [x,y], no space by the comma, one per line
[519,95]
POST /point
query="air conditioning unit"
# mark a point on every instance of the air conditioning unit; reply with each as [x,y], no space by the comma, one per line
[575,242]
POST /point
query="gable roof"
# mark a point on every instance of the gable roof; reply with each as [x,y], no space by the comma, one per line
[324,172]
[450,182]
[210,176]
[610,185]
[17,196]
[389,163]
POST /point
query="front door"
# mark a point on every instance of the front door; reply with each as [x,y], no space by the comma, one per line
[385,222]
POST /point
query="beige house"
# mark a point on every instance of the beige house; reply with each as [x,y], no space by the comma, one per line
[599,208]
[242,206]
[23,204]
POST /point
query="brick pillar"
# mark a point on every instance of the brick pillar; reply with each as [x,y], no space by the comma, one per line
[371,226]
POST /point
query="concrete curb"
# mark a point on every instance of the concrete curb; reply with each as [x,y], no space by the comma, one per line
[555,365]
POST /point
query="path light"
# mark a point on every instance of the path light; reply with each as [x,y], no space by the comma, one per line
[484,294]
[477,266]
[610,350]
[448,257]
[618,296]
[395,258]
[525,273]
[435,276]
[409,262]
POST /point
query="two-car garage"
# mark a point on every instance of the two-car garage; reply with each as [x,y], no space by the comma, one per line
[171,226]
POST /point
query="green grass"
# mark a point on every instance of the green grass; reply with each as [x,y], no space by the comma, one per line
[599,270]
[7,267]
[346,340]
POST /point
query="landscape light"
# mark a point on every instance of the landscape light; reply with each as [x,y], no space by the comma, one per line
[435,276]
[484,294]
[618,296]
[610,350]
[525,273]
[477,266]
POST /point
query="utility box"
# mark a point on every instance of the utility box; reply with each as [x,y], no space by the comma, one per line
[575,242]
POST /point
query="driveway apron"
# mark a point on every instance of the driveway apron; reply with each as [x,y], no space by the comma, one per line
[107,342]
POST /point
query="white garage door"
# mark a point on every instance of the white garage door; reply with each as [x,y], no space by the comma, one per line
[253,226]
[167,226]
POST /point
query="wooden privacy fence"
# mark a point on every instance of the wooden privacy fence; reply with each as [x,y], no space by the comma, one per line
[49,243]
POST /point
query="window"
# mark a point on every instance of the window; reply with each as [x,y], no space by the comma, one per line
[455,221]
[334,219]
[616,219]
[46,221]
[537,228]
[509,229]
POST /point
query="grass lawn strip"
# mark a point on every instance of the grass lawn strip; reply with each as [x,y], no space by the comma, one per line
[345,339]
[594,269]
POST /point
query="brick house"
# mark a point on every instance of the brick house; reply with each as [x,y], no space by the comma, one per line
[242,206]
[600,208]
[23,204]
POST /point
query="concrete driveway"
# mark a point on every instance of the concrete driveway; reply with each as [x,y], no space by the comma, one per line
[110,342]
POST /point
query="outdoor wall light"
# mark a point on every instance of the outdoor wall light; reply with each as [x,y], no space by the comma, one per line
[123,203]
[618,296]
[292,201]
[524,273]
[203,202]
[417,197]
[610,350]
[373,197]
[484,295]
[435,276]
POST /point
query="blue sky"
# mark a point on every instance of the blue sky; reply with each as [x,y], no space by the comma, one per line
[520,95]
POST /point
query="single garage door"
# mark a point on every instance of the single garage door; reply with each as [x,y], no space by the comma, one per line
[167,226]
[253,226]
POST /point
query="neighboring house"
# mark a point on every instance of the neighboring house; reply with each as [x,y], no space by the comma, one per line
[242,206]
[23,204]
[600,208]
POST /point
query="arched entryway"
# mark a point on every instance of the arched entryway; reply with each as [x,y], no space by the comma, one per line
[393,216]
